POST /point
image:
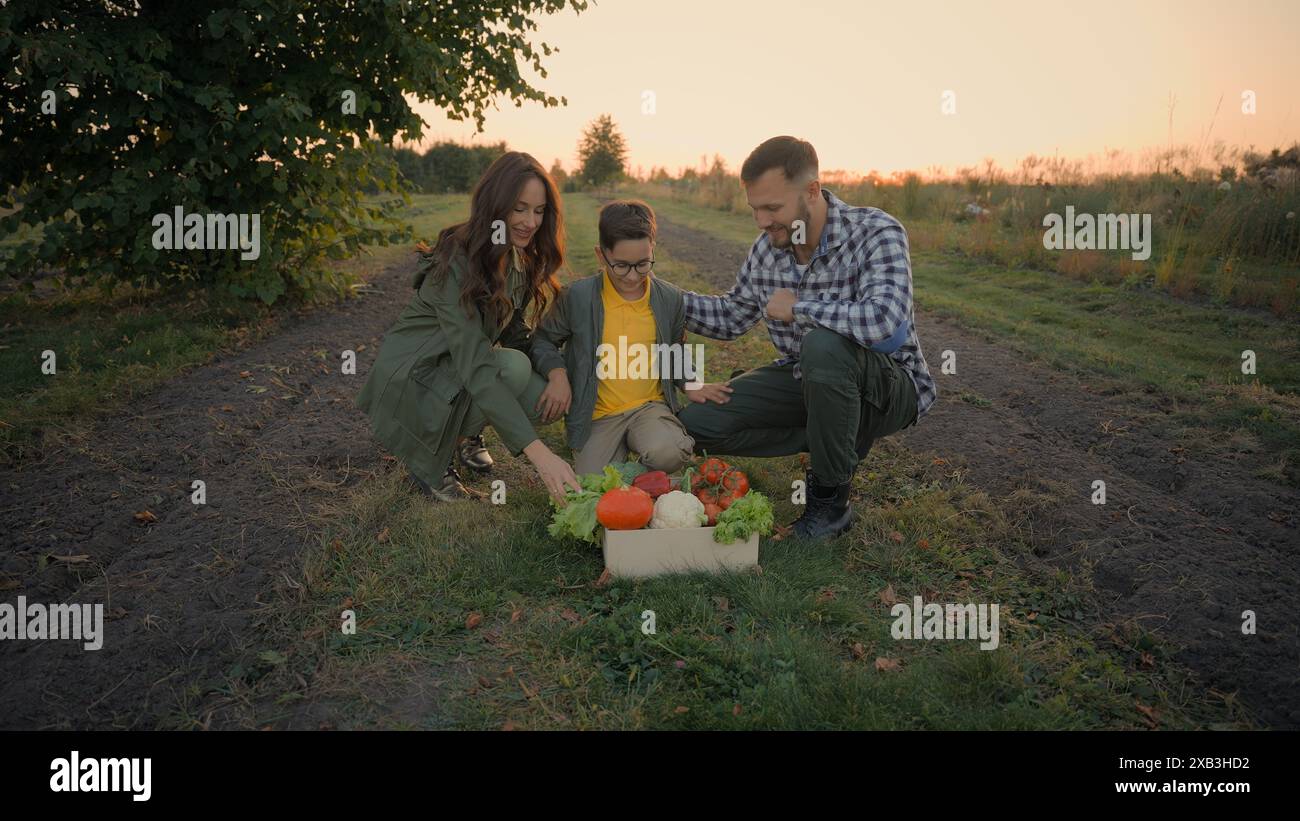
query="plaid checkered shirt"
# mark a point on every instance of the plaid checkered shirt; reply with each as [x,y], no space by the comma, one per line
[858,284]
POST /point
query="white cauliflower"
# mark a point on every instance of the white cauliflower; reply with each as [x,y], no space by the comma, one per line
[678,509]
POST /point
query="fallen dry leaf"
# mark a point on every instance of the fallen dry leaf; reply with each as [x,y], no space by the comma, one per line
[508,726]
[722,603]
[347,603]
[145,516]
[1148,660]
[605,578]
[858,650]
[887,665]
[681,710]
[896,537]
[888,597]
[735,711]
[383,536]
[924,544]
[474,620]
[825,595]
[516,615]
[245,374]
[569,615]
[1151,713]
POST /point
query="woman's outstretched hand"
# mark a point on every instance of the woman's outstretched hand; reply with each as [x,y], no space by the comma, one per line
[554,472]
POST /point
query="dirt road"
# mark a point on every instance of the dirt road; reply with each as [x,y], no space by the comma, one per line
[183,594]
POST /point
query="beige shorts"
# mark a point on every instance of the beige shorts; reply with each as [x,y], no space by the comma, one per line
[650,429]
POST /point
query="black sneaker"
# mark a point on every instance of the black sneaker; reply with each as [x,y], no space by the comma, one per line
[449,489]
[474,455]
[827,513]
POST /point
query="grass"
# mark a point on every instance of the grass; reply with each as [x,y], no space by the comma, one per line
[473,617]
[105,352]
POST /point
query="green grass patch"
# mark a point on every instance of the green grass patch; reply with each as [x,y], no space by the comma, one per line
[106,351]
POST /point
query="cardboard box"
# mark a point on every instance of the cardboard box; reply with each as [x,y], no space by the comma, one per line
[639,554]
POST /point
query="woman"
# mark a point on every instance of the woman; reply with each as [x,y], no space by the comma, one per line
[451,364]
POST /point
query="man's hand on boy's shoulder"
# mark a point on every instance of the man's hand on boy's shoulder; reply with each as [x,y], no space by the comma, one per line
[716,392]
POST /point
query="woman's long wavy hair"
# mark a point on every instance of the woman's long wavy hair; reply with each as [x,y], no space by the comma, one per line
[494,198]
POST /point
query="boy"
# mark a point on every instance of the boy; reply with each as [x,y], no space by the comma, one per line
[620,313]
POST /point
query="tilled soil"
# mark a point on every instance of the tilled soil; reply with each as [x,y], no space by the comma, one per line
[182,594]
[1188,538]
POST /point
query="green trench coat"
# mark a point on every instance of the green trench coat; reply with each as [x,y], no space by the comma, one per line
[434,363]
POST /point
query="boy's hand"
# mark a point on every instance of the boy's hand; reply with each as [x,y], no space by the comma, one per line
[712,392]
[555,400]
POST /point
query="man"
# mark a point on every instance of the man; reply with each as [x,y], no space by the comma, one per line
[834,283]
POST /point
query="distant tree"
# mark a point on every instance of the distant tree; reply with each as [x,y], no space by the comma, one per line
[115,114]
[602,152]
[558,174]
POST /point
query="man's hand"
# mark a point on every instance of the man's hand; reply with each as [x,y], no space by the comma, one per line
[555,400]
[781,305]
[716,392]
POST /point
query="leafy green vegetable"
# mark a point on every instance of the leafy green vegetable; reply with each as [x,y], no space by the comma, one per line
[751,513]
[629,470]
[577,518]
[602,482]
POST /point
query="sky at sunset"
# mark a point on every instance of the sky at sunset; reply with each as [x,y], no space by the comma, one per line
[863,81]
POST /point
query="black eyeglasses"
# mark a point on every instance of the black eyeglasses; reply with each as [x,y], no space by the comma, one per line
[645,266]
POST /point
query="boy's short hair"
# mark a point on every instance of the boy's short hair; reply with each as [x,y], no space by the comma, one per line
[626,219]
[796,158]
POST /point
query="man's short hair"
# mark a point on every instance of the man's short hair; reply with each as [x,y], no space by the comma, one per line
[796,158]
[626,219]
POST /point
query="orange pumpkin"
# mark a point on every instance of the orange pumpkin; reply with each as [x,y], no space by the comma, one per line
[625,508]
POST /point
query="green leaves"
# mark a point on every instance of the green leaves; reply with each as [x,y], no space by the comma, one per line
[751,513]
[236,110]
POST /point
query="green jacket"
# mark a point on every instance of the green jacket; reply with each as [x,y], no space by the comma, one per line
[434,362]
[577,323]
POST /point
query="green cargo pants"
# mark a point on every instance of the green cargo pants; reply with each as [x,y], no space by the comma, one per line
[847,398]
[524,383]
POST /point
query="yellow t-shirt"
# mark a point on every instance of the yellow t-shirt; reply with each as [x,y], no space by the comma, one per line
[635,321]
